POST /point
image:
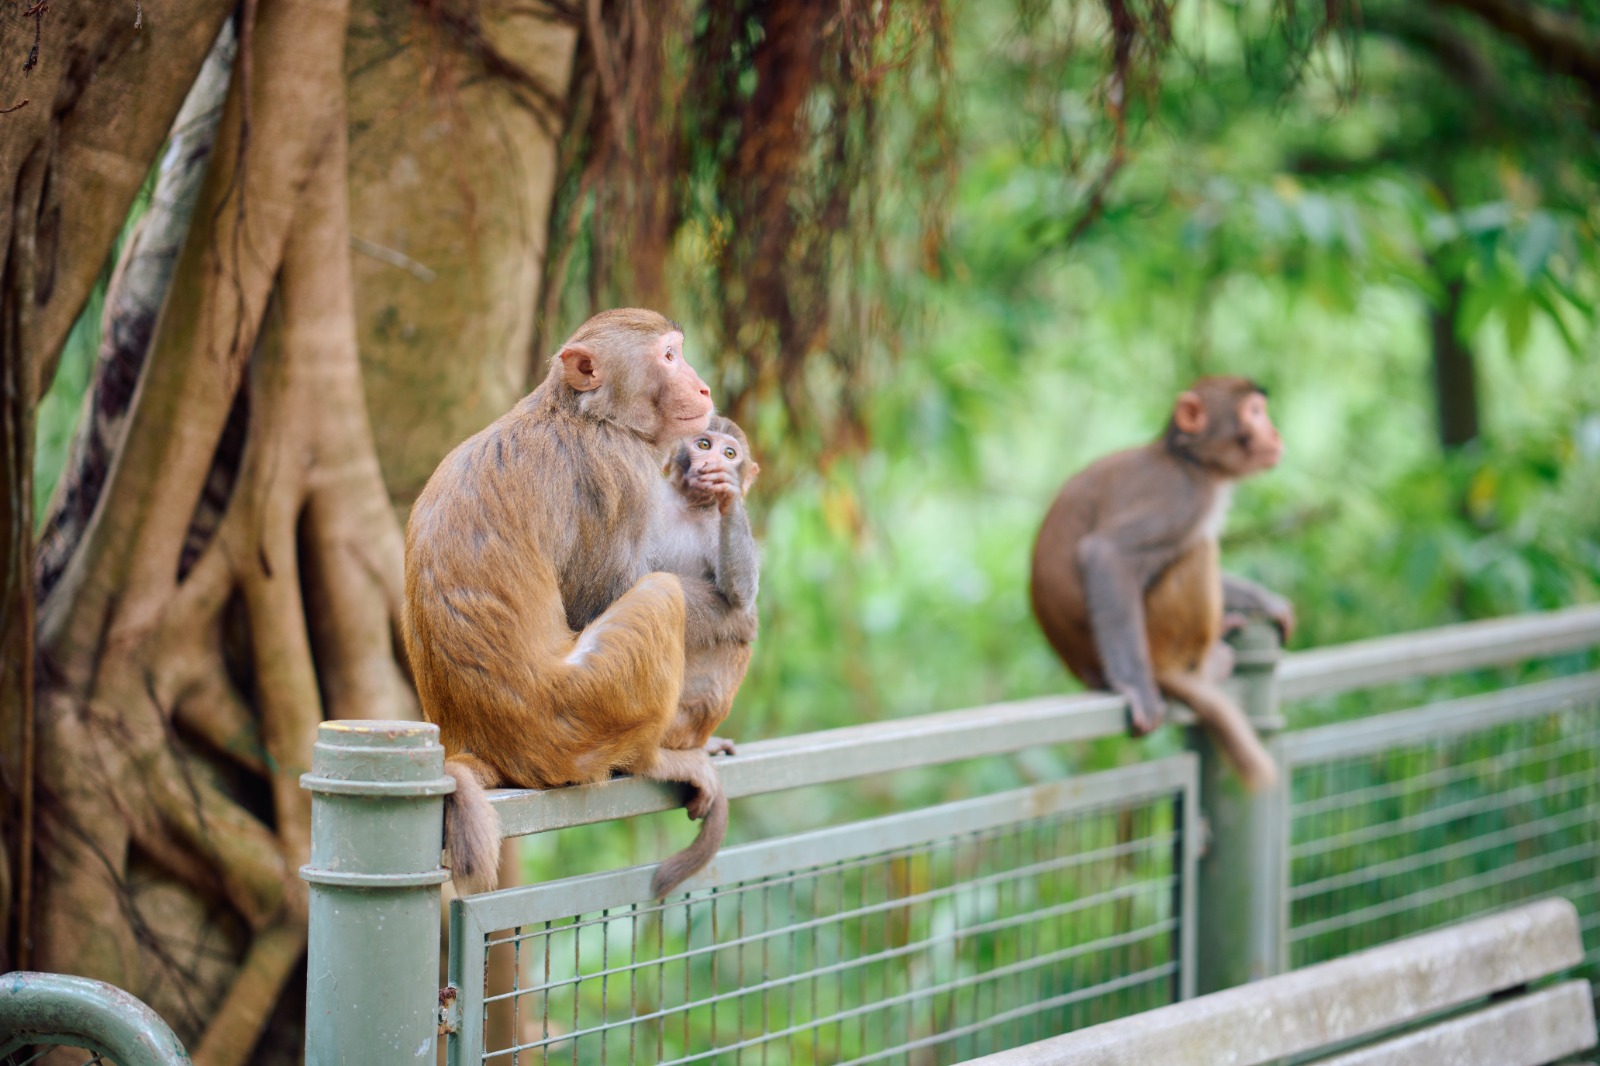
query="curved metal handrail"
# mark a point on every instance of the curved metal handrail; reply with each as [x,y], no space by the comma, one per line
[55,1008]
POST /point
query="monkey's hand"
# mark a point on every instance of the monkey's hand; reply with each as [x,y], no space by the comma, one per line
[722,484]
[1281,611]
[719,746]
[1247,597]
[1146,709]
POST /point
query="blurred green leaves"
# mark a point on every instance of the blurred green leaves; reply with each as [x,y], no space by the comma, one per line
[1292,220]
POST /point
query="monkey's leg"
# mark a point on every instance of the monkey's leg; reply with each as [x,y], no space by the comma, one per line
[616,691]
[1218,665]
[703,707]
[709,802]
[1228,725]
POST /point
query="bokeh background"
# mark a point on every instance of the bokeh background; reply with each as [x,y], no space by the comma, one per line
[934,255]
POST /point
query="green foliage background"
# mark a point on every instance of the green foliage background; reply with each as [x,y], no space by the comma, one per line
[899,586]
[1291,200]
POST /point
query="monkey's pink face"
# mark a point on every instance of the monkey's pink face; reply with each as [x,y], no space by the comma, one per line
[684,401]
[1257,435]
[713,466]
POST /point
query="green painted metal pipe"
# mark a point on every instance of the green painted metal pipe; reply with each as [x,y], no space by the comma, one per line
[1242,887]
[372,982]
[54,1008]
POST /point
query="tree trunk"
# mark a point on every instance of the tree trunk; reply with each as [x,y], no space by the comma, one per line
[234,573]
[1455,381]
[100,97]
[87,98]
[451,176]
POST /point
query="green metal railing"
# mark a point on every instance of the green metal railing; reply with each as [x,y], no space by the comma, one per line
[938,934]
[1412,820]
[44,1011]
[951,930]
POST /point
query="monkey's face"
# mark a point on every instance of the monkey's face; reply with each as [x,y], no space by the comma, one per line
[1255,436]
[682,399]
[1223,424]
[713,467]
[637,379]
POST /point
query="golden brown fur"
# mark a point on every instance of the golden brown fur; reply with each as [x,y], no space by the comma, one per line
[542,645]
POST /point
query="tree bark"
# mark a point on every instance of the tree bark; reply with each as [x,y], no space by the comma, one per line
[452,169]
[232,571]
[87,98]
[99,100]
[140,819]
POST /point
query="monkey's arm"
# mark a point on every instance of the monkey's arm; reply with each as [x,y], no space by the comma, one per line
[1113,588]
[1241,594]
[738,564]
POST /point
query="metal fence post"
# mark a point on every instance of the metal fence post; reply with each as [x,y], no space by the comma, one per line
[1242,877]
[372,982]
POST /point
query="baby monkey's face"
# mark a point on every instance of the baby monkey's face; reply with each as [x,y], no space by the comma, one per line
[714,466]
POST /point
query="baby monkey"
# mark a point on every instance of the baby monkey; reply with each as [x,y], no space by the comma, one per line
[702,534]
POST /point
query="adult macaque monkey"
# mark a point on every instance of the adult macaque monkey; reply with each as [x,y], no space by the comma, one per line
[702,534]
[1126,583]
[543,646]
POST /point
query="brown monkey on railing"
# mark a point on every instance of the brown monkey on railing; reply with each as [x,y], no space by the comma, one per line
[702,534]
[1126,583]
[542,644]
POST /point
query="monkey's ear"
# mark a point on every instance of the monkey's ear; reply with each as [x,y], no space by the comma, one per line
[750,478]
[579,368]
[1190,413]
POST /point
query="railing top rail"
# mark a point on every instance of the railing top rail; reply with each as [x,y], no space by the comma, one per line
[1001,728]
[1432,652]
[1172,776]
[831,755]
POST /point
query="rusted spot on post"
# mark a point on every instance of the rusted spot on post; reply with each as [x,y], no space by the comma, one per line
[447,1010]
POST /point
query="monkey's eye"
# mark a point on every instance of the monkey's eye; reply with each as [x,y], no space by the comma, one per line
[671,355]
[730,453]
[703,444]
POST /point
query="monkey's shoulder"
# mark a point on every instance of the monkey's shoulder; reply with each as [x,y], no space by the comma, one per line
[1142,498]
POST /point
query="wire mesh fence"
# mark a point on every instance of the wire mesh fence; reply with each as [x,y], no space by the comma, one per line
[928,937]
[1408,821]
[943,933]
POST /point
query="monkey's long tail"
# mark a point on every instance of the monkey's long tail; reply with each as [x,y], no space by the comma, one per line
[676,869]
[1228,725]
[471,829]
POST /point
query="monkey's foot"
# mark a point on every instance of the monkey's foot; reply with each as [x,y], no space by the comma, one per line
[719,746]
[702,801]
[692,767]
[1145,713]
